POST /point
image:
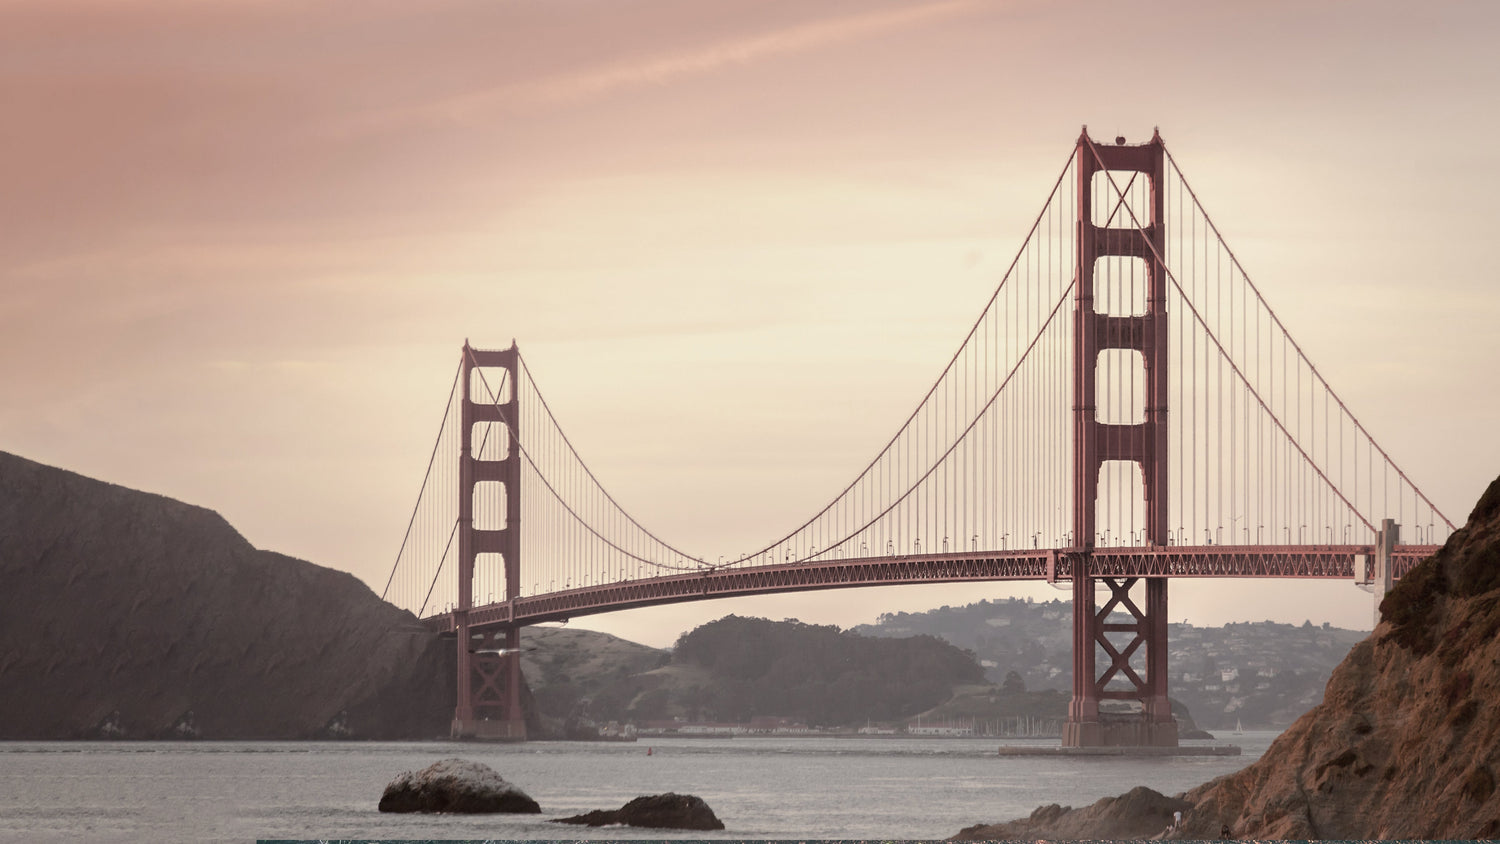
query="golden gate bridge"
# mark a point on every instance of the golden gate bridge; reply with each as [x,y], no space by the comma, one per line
[1126,409]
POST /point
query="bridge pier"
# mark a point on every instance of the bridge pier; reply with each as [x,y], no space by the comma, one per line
[489,685]
[1088,725]
[1082,729]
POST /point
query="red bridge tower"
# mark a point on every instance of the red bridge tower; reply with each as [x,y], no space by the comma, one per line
[1143,443]
[489,659]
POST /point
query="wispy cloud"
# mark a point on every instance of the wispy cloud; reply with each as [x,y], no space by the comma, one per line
[667,67]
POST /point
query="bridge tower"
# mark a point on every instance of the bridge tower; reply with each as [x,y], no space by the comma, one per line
[1143,443]
[489,659]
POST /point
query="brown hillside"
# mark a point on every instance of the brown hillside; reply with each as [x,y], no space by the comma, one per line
[126,613]
[1404,744]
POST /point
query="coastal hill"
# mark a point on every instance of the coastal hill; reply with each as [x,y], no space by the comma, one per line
[1257,674]
[577,678]
[1406,743]
[735,669]
[125,614]
[131,615]
[820,674]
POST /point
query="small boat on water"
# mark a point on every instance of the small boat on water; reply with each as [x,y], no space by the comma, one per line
[1239,728]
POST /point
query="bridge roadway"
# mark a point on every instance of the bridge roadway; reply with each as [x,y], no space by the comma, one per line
[1327,562]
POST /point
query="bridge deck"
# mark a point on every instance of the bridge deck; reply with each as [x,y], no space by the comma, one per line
[1327,562]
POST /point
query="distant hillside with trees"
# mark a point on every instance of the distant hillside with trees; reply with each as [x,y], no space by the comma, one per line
[1261,674]
[735,669]
[819,674]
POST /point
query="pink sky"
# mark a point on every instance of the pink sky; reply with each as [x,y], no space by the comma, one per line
[243,242]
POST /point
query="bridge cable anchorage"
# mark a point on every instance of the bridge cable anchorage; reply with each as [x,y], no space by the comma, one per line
[1225,357]
[923,402]
[1301,354]
[557,496]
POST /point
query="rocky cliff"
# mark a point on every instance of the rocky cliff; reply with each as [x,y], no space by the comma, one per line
[132,615]
[1404,744]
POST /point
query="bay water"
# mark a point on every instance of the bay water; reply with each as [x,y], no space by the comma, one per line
[776,788]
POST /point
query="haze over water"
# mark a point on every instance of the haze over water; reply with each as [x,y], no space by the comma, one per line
[760,788]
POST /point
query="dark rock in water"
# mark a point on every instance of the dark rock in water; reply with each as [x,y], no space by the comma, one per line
[670,811]
[660,811]
[455,785]
[1141,813]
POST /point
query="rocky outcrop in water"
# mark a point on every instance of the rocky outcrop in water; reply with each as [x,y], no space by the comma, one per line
[455,785]
[1140,813]
[1406,743]
[657,811]
[130,615]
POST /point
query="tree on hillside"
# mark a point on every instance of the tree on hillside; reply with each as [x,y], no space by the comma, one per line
[820,674]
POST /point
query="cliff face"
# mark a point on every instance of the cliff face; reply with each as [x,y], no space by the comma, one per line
[129,614]
[1406,743]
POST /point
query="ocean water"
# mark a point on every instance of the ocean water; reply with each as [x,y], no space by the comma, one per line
[778,788]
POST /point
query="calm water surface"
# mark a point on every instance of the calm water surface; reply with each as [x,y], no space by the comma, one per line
[760,788]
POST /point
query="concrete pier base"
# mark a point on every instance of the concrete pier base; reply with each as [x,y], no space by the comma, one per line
[486,730]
